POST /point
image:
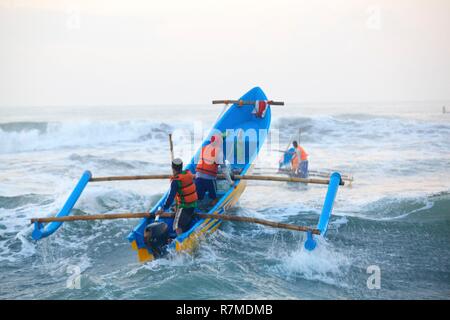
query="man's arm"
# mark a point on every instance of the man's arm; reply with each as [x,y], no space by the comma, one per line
[219,158]
[171,196]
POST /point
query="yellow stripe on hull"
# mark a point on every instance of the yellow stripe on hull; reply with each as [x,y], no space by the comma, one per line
[215,227]
[144,255]
[134,245]
[190,242]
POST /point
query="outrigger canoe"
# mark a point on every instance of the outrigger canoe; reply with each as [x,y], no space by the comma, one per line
[284,167]
[236,118]
[244,130]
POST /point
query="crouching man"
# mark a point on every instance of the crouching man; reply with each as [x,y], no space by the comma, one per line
[183,190]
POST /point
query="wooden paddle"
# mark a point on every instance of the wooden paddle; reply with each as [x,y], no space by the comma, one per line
[286,151]
[111,216]
[171,147]
[219,176]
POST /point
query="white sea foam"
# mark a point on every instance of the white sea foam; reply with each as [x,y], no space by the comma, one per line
[76,134]
[397,163]
[324,263]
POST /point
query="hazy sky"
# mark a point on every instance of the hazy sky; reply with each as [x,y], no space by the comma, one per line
[190,51]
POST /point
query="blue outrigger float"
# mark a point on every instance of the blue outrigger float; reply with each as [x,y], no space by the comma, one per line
[238,117]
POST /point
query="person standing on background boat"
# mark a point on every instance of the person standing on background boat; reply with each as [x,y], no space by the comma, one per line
[183,190]
[211,157]
[299,162]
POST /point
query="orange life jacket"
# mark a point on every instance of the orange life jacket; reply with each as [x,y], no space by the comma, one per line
[187,193]
[207,163]
[303,156]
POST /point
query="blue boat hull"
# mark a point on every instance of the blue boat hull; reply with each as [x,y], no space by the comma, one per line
[240,152]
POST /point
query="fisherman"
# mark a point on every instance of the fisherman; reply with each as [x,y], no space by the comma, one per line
[299,161]
[183,190]
[211,157]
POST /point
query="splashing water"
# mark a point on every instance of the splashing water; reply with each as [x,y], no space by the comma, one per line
[395,216]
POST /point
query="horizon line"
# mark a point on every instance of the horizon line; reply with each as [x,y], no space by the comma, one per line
[203,104]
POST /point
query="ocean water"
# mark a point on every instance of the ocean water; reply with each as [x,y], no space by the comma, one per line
[395,218]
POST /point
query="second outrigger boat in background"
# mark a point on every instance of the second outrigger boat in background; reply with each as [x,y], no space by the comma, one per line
[252,112]
[285,166]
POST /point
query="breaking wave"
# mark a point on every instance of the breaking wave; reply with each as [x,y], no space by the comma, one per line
[365,129]
[34,136]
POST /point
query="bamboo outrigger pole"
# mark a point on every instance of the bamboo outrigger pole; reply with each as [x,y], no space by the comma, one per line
[219,176]
[283,179]
[244,102]
[123,178]
[111,216]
